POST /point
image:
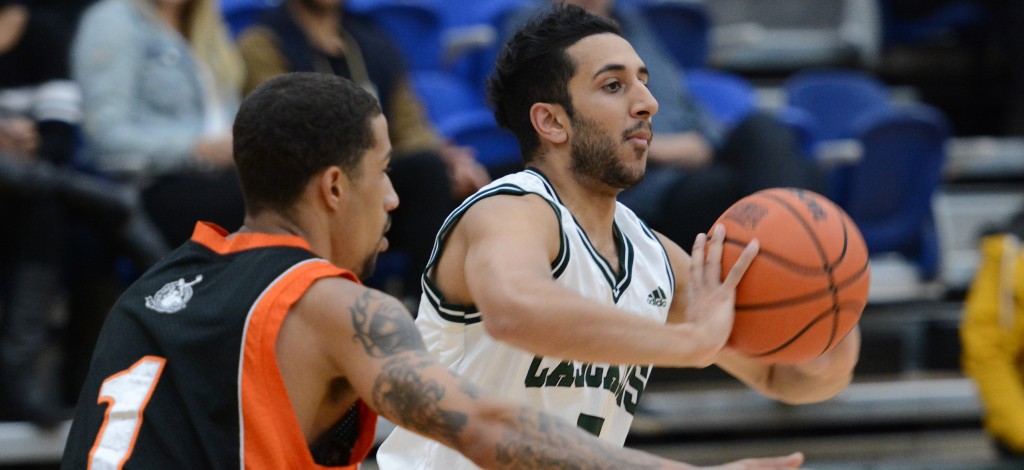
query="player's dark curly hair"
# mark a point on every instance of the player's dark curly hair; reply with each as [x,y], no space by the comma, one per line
[292,127]
[533,67]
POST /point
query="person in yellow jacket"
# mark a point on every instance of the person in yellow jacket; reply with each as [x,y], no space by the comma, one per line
[992,335]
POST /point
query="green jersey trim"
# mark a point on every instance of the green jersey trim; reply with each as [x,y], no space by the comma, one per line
[469,314]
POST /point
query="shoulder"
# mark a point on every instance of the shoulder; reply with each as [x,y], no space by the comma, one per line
[333,307]
[511,207]
[678,258]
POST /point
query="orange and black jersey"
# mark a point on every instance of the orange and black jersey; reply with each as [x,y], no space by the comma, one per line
[184,374]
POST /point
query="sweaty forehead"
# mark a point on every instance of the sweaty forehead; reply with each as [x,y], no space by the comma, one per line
[597,51]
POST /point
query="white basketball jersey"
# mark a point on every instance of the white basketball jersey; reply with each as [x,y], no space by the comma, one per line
[600,398]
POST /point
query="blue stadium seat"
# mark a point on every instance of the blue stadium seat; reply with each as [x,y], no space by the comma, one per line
[496,148]
[728,97]
[889,192]
[414,26]
[239,14]
[460,115]
[829,101]
[835,98]
[445,94]
[683,28]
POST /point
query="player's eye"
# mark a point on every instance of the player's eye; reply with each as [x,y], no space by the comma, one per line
[613,86]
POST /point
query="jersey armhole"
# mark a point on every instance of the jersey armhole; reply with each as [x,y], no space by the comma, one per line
[469,313]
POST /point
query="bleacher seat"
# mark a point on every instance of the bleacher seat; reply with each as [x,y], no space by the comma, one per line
[496,148]
[415,26]
[728,97]
[822,105]
[835,98]
[239,14]
[683,28]
[445,94]
[889,192]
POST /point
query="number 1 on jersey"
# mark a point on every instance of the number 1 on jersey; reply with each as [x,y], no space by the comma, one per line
[126,393]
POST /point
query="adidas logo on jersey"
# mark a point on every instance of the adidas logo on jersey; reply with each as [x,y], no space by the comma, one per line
[657,298]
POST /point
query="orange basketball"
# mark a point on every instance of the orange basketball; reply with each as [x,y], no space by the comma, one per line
[807,286]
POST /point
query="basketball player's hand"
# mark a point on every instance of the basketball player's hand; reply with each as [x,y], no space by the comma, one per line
[710,300]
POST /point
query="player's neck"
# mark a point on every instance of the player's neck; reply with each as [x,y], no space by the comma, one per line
[276,223]
[591,202]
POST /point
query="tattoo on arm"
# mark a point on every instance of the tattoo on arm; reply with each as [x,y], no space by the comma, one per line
[402,391]
[383,326]
[541,440]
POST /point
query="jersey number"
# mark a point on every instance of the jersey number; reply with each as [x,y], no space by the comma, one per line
[126,393]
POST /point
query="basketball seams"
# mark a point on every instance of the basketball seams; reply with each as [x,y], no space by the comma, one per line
[780,260]
[817,287]
[803,223]
[804,298]
[807,327]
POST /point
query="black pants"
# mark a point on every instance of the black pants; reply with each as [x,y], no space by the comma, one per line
[424,193]
[764,153]
[176,202]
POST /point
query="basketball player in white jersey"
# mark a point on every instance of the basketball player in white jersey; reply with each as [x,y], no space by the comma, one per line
[543,289]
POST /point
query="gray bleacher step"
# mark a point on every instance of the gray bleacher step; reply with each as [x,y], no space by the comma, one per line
[904,402]
[23,443]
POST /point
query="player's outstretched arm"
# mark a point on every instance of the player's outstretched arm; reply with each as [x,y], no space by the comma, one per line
[509,243]
[810,382]
[383,358]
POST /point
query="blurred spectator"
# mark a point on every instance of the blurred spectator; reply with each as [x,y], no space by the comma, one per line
[45,202]
[992,334]
[318,36]
[160,82]
[695,169]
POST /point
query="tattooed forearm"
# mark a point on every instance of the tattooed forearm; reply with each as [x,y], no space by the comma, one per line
[544,441]
[414,401]
[383,326]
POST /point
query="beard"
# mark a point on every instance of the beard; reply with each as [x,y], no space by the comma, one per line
[593,156]
[369,265]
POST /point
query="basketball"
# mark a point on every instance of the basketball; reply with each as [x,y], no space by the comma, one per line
[808,284]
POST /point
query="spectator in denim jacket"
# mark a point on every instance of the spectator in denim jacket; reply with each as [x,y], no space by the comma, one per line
[161,83]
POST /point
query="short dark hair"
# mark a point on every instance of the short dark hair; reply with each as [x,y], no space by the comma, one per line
[533,67]
[292,127]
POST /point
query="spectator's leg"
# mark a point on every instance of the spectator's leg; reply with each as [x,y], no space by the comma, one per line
[176,202]
[682,203]
[765,154]
[424,193]
[36,282]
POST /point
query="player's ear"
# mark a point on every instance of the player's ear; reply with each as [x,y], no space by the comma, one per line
[550,122]
[331,186]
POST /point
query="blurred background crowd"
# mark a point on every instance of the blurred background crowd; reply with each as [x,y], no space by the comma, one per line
[115,120]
